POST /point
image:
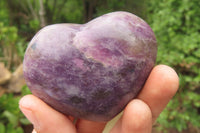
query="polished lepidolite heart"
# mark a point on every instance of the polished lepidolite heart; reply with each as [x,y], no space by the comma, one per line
[91,71]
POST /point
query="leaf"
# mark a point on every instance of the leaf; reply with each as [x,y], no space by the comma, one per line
[25,121]
[11,117]
[19,130]
[2,128]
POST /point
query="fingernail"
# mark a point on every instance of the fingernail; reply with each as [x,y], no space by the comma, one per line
[34,131]
[25,107]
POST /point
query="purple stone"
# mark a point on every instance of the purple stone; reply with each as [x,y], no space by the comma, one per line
[91,71]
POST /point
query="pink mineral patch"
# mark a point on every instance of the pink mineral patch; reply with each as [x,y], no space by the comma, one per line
[79,63]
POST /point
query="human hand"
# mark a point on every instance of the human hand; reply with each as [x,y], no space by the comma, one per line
[138,116]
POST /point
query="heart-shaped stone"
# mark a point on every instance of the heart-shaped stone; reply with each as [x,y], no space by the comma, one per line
[91,71]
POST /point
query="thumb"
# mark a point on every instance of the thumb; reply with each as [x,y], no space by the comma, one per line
[44,118]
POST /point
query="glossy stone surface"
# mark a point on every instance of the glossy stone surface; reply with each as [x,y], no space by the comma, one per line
[91,71]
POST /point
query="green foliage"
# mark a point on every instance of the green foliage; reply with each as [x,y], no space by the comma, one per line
[12,46]
[11,119]
[135,6]
[179,117]
[34,24]
[71,12]
[4,14]
[8,34]
[177,27]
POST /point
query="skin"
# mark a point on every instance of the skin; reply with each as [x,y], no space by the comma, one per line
[138,116]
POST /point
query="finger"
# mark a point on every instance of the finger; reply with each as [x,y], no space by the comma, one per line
[137,118]
[159,88]
[85,126]
[44,118]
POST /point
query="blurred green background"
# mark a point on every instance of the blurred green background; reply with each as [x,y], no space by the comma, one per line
[176,24]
